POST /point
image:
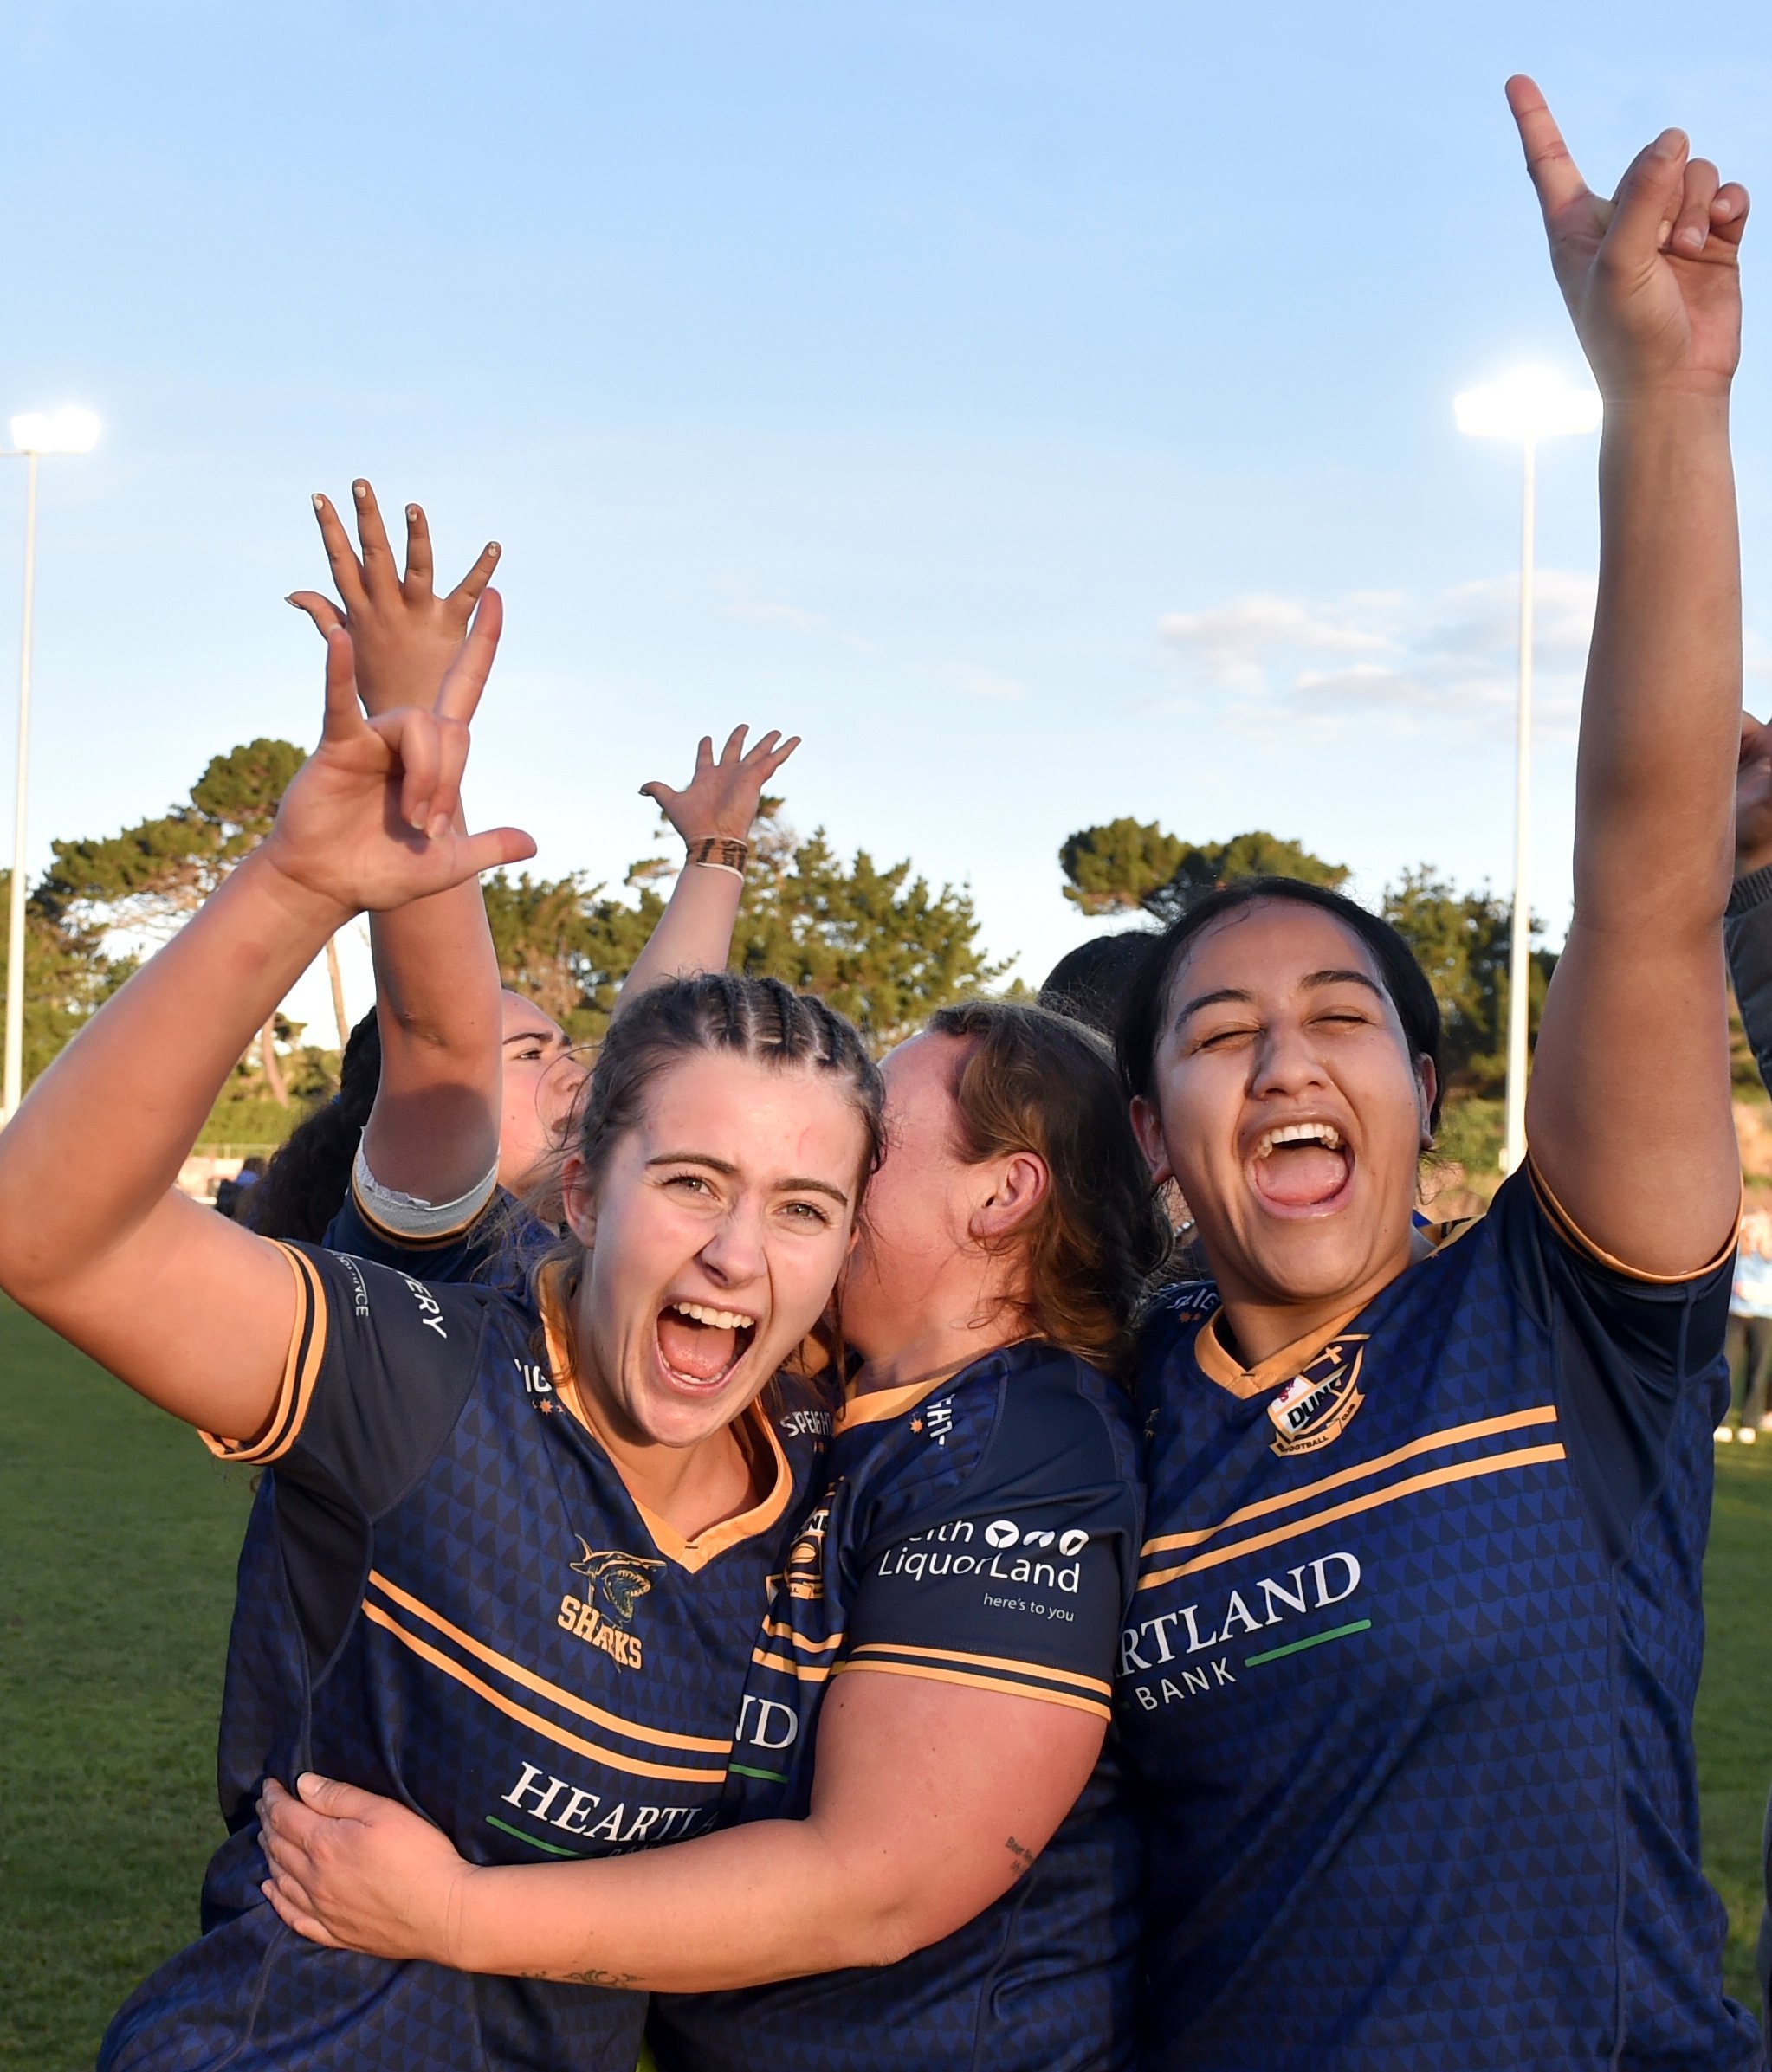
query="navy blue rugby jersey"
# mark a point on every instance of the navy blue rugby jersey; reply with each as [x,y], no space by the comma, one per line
[447,1595]
[979,1528]
[1408,1686]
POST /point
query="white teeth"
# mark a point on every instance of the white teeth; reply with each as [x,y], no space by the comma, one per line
[1300,1133]
[721,1319]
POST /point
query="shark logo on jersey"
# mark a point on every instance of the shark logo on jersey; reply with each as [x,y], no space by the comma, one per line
[620,1580]
[1318,1405]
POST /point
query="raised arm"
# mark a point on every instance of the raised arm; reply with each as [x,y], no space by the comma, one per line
[1629,1118]
[713,814]
[893,1856]
[187,1307]
[434,1130]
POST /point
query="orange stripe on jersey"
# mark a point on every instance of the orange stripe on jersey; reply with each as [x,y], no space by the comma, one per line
[1001,1685]
[1462,1471]
[517,1674]
[633,1765]
[992,1662]
[1454,1435]
[780,1631]
[308,1341]
[807,1672]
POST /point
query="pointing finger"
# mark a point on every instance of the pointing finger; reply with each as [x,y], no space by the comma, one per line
[1553,171]
[341,556]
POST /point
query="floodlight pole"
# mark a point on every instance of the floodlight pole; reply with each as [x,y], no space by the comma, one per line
[15,916]
[1513,1151]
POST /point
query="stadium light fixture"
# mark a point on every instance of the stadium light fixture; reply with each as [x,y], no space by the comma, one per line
[1532,404]
[54,431]
[35,433]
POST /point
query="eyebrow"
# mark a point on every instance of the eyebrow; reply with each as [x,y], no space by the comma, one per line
[1313,979]
[726,1167]
[534,1035]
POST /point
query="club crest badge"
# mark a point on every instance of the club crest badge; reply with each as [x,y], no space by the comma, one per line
[1317,1406]
[614,1584]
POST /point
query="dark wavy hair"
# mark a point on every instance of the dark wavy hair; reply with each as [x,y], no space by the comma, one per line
[304,1185]
[717,1013]
[1033,1080]
[1145,1001]
[1088,983]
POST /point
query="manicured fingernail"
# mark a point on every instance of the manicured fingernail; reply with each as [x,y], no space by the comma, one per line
[292,601]
[493,549]
[420,816]
[1693,238]
[412,513]
[360,490]
[320,502]
[439,826]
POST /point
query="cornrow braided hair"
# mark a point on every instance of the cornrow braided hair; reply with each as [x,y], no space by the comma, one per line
[714,1013]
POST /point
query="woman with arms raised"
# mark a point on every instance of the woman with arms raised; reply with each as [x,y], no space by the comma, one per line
[1408,1686]
[517,1561]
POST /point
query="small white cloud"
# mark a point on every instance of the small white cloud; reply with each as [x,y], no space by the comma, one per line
[1234,641]
[742,604]
[983,683]
[1382,657]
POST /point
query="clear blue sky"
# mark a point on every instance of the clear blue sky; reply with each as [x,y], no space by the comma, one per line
[1045,410]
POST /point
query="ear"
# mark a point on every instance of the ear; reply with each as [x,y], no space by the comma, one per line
[579,1199]
[1015,1187]
[1147,1127]
[1427,1086]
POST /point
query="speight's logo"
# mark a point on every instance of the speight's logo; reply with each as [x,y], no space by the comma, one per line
[1316,1406]
[615,1584]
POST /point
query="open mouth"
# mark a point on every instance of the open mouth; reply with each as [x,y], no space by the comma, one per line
[1302,1168]
[699,1346]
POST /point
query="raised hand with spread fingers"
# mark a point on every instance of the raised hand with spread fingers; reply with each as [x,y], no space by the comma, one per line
[186,1307]
[404,636]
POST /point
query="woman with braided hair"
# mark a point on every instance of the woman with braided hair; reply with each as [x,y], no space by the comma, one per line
[519,1555]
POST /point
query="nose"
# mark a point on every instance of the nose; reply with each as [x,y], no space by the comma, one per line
[1286,1062]
[735,1253]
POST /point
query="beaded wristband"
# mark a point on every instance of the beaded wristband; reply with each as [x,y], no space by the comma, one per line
[721,852]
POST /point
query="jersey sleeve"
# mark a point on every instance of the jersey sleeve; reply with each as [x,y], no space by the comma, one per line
[1631,1349]
[379,1367]
[1015,1578]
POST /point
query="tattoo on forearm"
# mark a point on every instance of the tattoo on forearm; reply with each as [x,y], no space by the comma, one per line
[613,1978]
[1024,1856]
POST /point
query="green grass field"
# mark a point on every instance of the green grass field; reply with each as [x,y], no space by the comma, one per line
[117,1543]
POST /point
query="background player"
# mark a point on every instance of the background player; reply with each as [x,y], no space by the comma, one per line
[567,1543]
[1409,1684]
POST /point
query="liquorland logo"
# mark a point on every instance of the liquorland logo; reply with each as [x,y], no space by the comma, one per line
[1318,1405]
[999,1551]
[614,1584]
